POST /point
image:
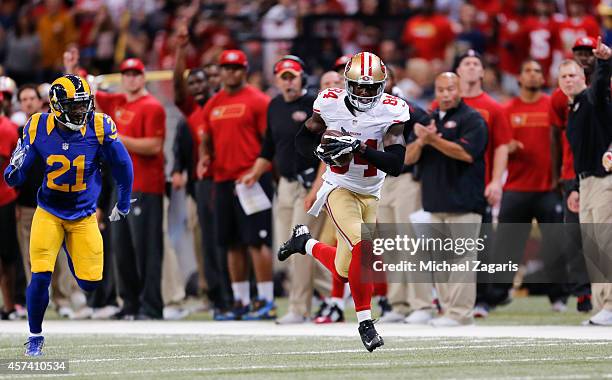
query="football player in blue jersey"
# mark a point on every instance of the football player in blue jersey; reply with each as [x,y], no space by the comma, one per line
[72,140]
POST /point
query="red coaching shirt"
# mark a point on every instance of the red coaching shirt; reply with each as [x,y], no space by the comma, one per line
[498,129]
[8,142]
[143,117]
[530,168]
[558,118]
[236,123]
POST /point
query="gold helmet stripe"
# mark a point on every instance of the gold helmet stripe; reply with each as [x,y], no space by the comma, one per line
[85,85]
[67,84]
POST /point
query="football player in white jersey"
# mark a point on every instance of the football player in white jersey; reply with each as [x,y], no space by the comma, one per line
[372,124]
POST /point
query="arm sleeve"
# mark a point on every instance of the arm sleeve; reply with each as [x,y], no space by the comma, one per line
[104,199]
[417,115]
[121,169]
[267,146]
[119,162]
[391,161]
[599,91]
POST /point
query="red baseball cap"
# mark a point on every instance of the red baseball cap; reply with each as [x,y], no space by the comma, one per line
[341,61]
[585,43]
[132,64]
[288,65]
[233,57]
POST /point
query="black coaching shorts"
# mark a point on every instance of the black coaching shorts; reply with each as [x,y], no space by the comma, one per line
[9,247]
[234,227]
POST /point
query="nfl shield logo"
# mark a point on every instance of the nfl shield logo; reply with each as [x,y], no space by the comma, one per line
[65,146]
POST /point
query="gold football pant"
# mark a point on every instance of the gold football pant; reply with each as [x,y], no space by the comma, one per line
[83,242]
[348,211]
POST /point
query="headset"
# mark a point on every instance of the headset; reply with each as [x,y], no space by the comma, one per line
[299,61]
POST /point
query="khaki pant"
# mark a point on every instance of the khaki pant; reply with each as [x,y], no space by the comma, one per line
[596,221]
[348,211]
[63,284]
[305,273]
[457,299]
[400,197]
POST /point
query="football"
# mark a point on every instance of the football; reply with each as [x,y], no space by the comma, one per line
[343,160]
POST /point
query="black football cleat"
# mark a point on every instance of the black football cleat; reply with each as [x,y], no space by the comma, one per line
[370,338]
[296,244]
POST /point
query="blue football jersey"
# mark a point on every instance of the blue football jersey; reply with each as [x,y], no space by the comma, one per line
[72,180]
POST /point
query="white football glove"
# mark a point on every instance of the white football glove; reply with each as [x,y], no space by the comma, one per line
[116,214]
[18,157]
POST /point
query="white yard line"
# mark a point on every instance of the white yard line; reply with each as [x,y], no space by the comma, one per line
[269,329]
[368,365]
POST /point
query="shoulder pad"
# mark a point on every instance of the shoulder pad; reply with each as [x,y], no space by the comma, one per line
[30,130]
[395,108]
[328,99]
[105,128]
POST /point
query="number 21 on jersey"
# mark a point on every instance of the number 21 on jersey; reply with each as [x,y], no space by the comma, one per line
[65,165]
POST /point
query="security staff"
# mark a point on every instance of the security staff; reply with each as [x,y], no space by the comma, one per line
[589,132]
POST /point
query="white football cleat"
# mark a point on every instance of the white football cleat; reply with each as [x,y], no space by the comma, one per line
[291,319]
[419,317]
[392,317]
[603,318]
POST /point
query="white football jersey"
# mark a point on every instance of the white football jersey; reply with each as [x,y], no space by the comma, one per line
[370,127]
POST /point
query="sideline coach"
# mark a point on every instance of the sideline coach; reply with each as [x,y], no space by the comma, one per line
[589,132]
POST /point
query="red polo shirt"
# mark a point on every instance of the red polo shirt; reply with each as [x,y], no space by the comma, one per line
[8,142]
[530,168]
[236,123]
[143,117]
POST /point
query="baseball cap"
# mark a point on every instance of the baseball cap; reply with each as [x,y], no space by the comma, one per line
[233,57]
[288,65]
[341,61]
[469,53]
[132,64]
[585,43]
[7,85]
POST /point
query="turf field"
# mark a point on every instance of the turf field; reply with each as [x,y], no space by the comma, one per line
[508,345]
